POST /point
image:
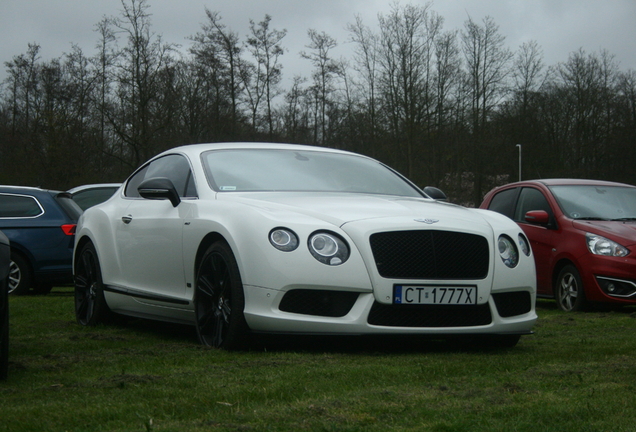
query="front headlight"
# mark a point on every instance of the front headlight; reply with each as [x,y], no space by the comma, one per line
[508,251]
[599,245]
[328,248]
[283,239]
[525,244]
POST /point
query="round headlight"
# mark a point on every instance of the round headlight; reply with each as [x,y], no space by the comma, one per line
[328,248]
[283,239]
[525,245]
[508,251]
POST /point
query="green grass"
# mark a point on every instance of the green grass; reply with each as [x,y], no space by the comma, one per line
[577,373]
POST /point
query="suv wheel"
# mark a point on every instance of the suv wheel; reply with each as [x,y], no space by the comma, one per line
[19,275]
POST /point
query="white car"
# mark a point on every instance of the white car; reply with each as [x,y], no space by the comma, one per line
[241,238]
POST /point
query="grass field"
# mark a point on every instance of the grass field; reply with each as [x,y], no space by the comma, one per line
[576,373]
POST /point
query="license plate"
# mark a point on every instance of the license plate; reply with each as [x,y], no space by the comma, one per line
[430,294]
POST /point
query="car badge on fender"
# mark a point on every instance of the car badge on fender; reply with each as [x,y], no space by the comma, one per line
[427,221]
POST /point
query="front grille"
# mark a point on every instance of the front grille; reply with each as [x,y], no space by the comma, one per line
[430,254]
[513,303]
[318,302]
[429,315]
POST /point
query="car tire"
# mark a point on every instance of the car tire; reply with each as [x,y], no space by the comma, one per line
[219,300]
[90,304]
[4,330]
[20,275]
[568,292]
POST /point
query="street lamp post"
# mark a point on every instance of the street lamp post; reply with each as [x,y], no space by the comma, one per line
[519,146]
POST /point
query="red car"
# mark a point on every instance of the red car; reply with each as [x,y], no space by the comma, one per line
[583,236]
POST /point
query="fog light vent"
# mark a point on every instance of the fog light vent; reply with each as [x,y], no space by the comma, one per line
[617,287]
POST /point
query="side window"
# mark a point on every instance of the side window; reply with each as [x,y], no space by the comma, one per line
[504,202]
[19,206]
[134,182]
[174,167]
[531,199]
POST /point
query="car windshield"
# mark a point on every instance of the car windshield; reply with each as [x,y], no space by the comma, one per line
[596,202]
[240,170]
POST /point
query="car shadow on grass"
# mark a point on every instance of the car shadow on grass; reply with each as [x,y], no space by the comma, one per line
[367,344]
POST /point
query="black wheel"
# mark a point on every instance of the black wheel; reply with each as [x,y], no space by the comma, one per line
[219,300]
[90,304]
[568,291]
[4,329]
[20,277]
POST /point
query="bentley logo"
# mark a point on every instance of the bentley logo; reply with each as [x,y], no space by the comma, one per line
[427,221]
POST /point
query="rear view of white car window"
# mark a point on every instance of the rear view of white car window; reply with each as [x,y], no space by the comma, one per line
[291,170]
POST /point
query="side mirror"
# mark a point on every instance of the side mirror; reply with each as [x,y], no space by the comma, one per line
[435,193]
[538,217]
[159,188]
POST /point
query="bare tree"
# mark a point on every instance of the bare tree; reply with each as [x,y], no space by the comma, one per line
[366,64]
[218,51]
[103,63]
[140,61]
[262,83]
[325,71]
[488,66]
[406,55]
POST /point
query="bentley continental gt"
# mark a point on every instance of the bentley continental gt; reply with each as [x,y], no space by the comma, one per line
[238,239]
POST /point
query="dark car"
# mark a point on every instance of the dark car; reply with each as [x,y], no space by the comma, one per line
[4,305]
[40,225]
[583,235]
[92,194]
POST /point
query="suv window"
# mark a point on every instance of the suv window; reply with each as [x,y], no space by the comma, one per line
[174,167]
[70,207]
[531,199]
[504,202]
[19,206]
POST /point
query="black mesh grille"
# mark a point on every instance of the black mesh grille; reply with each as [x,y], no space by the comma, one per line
[513,303]
[429,315]
[429,254]
[318,302]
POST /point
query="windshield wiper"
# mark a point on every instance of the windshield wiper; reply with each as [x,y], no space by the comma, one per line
[627,219]
[592,218]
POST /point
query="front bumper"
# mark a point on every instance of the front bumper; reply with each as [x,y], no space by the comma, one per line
[504,313]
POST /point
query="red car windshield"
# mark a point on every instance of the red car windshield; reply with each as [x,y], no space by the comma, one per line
[596,202]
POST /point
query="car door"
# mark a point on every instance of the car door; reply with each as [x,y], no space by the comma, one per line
[543,238]
[150,235]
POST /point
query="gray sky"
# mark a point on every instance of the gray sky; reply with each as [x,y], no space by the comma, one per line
[559,26]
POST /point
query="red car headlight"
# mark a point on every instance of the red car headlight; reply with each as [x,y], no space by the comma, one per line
[600,245]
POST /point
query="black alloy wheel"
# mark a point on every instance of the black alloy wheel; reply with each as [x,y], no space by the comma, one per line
[568,291]
[219,300]
[90,304]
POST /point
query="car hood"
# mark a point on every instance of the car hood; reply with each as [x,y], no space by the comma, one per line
[620,231]
[340,209]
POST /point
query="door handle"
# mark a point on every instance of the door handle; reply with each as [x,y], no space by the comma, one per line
[126,219]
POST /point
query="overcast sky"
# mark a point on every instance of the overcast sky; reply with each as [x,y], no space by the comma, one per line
[559,26]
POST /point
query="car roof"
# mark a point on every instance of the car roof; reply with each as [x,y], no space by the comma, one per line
[568,182]
[195,149]
[93,186]
[26,190]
